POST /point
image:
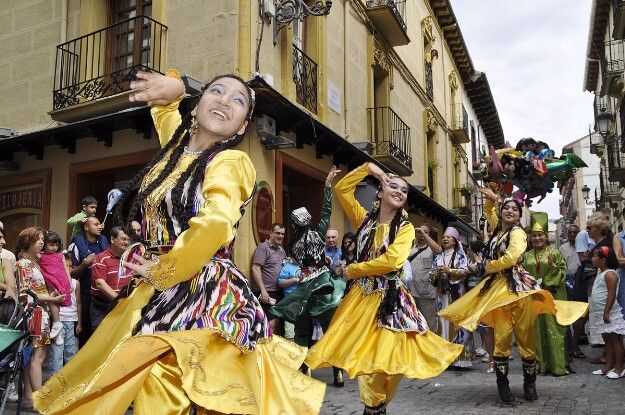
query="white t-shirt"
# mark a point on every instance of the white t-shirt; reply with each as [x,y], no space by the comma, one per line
[70,313]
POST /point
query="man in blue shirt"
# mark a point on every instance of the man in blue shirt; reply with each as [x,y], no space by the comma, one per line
[82,259]
[332,250]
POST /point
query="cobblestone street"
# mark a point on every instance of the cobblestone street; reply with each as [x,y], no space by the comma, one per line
[473,391]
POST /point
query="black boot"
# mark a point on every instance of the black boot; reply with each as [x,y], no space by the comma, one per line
[503,386]
[305,369]
[529,379]
[375,410]
[338,377]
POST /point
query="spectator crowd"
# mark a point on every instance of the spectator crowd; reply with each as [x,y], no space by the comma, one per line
[78,285]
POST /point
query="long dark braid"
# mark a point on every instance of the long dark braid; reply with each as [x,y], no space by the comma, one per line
[180,138]
[391,296]
[487,256]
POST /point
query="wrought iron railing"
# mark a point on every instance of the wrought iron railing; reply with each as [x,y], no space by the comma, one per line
[103,63]
[461,119]
[603,104]
[397,7]
[607,188]
[305,78]
[616,158]
[389,134]
[614,59]
[429,80]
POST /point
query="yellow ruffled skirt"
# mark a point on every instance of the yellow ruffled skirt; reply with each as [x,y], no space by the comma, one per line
[472,308]
[355,343]
[167,373]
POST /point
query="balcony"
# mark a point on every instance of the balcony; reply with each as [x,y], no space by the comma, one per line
[305,78]
[388,16]
[618,7]
[390,137]
[608,190]
[460,124]
[612,67]
[616,160]
[92,73]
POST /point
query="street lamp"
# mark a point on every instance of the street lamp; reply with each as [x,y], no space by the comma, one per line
[603,122]
[586,193]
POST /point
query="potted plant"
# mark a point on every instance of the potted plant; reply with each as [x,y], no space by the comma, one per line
[433,164]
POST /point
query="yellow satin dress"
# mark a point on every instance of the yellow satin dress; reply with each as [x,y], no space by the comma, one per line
[170,372]
[355,341]
[505,310]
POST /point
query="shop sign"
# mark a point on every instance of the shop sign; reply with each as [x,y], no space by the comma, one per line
[31,198]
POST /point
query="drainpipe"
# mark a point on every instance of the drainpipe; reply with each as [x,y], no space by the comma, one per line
[64,20]
[345,66]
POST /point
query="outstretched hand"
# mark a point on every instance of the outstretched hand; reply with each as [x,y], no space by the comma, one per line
[155,89]
[488,193]
[331,175]
[143,266]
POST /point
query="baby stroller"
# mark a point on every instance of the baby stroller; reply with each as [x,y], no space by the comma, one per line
[13,338]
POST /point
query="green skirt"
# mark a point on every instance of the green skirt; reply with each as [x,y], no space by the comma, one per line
[313,297]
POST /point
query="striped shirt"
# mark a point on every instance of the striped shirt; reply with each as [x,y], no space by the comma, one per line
[106,267]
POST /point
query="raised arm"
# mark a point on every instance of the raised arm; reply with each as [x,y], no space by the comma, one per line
[228,183]
[392,260]
[163,93]
[326,207]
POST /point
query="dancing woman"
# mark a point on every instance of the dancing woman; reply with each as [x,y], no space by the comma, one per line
[191,334]
[377,333]
[319,291]
[509,299]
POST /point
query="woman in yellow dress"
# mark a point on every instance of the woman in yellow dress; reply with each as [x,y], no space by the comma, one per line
[508,298]
[377,333]
[191,334]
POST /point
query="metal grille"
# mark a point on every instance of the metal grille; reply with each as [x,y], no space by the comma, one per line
[389,134]
[305,78]
[614,60]
[429,81]
[89,67]
[397,7]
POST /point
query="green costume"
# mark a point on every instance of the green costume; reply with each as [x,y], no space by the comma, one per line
[319,296]
[547,264]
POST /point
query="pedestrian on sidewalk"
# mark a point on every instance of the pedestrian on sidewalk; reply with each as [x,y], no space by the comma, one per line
[605,312]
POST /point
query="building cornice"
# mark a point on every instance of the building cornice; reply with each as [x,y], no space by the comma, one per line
[599,15]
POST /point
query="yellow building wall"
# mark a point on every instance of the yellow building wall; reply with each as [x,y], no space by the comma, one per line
[205,38]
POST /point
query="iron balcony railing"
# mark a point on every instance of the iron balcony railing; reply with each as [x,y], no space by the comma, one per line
[305,78]
[397,7]
[614,59]
[429,80]
[616,158]
[103,63]
[603,104]
[389,134]
[607,187]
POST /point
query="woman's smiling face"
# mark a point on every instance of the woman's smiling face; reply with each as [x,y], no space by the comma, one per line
[224,107]
[395,193]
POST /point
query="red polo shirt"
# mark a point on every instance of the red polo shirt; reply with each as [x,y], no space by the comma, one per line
[105,267]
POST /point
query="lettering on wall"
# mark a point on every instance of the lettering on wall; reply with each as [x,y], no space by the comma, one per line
[30,198]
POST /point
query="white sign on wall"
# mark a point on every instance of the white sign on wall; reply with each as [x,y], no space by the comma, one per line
[334,98]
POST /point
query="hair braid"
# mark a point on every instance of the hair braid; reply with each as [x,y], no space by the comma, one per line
[507,272]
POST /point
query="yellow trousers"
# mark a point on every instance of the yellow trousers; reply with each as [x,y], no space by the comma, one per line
[377,388]
[517,317]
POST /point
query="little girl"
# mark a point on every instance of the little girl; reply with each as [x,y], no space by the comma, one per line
[605,312]
[56,274]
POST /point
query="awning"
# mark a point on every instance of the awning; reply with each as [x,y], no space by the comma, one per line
[310,131]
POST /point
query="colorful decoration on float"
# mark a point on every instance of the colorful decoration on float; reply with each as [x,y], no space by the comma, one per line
[531,167]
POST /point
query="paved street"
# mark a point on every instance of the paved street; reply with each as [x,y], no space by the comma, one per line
[473,391]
